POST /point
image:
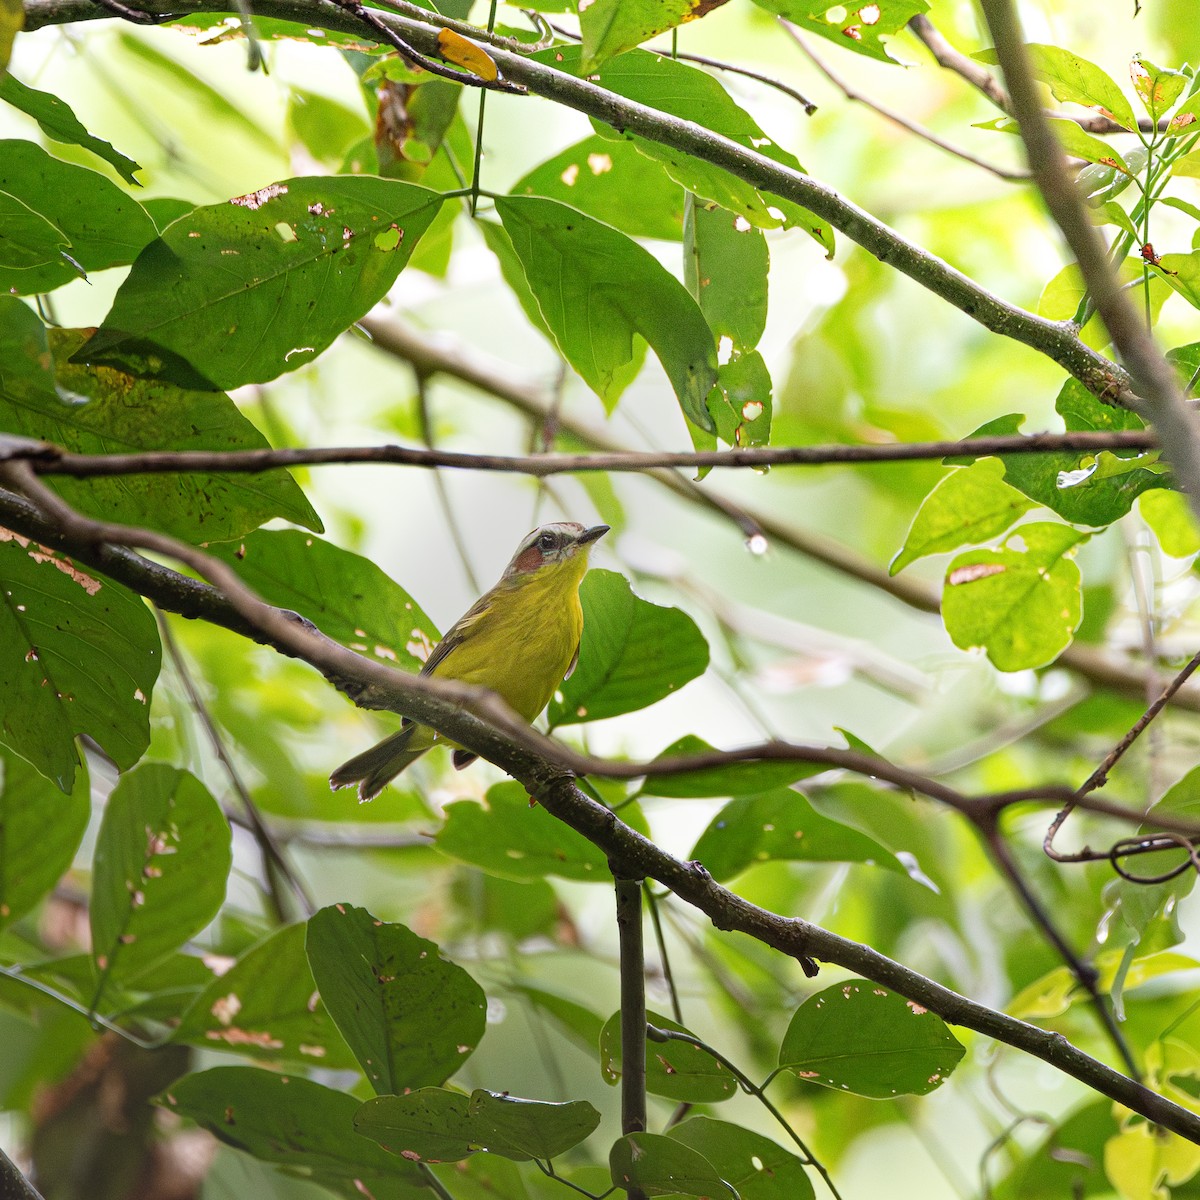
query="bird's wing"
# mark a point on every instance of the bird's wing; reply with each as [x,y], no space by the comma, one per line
[458,633]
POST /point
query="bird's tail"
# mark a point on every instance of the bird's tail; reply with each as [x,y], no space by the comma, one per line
[373,769]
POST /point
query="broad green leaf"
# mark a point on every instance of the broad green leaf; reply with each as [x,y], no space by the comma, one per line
[40,831]
[509,837]
[366,611]
[693,95]
[410,1017]
[241,292]
[733,779]
[612,182]
[513,272]
[162,857]
[756,1167]
[324,127]
[12,21]
[1157,88]
[661,1166]
[43,395]
[611,26]
[292,1121]
[741,403]
[98,224]
[79,654]
[632,654]
[1086,489]
[859,1037]
[1021,603]
[1182,273]
[263,1007]
[674,1069]
[596,289]
[59,123]
[1083,411]
[782,826]
[725,266]
[1170,516]
[1076,142]
[436,1125]
[1074,80]
[972,504]
[861,29]
[1063,295]
[33,250]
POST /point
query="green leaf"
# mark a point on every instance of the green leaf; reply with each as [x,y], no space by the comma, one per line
[43,394]
[1157,88]
[1182,273]
[632,654]
[287,1120]
[59,123]
[611,26]
[579,1023]
[859,1037]
[410,1017]
[674,1069]
[366,611]
[733,779]
[1021,603]
[97,223]
[32,249]
[508,837]
[741,403]
[1185,116]
[612,182]
[596,289]
[436,1125]
[241,292]
[1074,80]
[79,654]
[162,857]
[1083,411]
[754,1166]
[1170,516]
[661,1166]
[1075,141]
[1067,1162]
[263,1006]
[860,29]
[324,127]
[782,826]
[725,267]
[40,831]
[970,505]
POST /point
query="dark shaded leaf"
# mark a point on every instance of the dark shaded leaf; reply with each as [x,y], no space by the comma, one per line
[675,1069]
[755,1166]
[661,1166]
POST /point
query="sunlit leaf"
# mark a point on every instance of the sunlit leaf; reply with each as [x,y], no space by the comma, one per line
[861,29]
[611,26]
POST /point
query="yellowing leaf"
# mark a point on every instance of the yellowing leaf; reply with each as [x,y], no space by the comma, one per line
[463,52]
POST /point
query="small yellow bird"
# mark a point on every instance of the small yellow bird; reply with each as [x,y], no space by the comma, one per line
[520,640]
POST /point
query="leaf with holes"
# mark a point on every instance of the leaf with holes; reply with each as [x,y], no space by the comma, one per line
[675,1069]
[859,1037]
[40,831]
[241,292]
[611,26]
[757,1167]
[162,857]
[410,1017]
[266,1006]
[79,654]
[632,654]
[861,29]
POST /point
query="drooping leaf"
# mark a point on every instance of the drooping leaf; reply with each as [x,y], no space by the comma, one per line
[612,182]
[1182,273]
[860,29]
[596,289]
[859,1037]
[732,779]
[758,1168]
[366,610]
[741,403]
[632,653]
[410,1017]
[1021,602]
[508,837]
[162,858]
[97,224]
[59,123]
[241,292]
[292,1121]
[972,504]
[1170,516]
[1076,142]
[265,1006]
[40,831]
[437,1125]
[612,26]
[782,826]
[661,1166]
[1157,87]
[79,654]
[103,410]
[676,1069]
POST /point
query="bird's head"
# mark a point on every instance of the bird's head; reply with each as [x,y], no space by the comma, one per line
[552,544]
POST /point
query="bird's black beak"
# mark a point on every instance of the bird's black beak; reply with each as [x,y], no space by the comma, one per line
[594,534]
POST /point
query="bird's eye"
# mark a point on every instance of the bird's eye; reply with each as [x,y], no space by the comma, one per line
[546,541]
